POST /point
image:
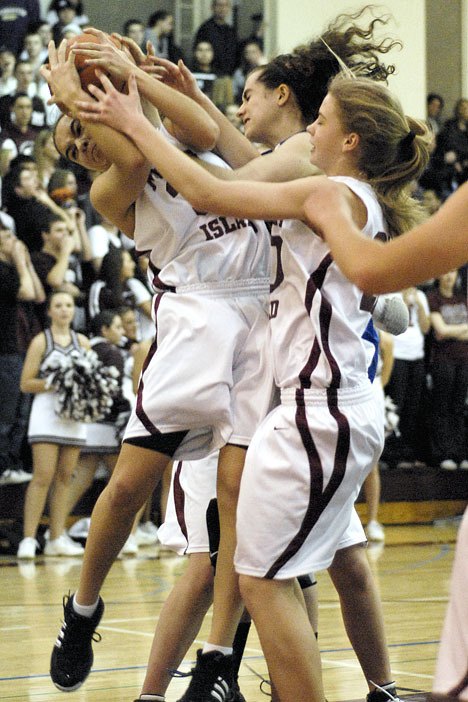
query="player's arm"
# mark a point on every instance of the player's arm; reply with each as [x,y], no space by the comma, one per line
[191,124]
[410,259]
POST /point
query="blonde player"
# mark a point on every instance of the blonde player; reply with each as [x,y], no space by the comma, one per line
[310,456]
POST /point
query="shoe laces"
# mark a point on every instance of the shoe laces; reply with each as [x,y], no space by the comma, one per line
[71,633]
[385,691]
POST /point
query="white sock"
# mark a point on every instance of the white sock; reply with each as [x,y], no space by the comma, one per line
[225,650]
[85,610]
[153,698]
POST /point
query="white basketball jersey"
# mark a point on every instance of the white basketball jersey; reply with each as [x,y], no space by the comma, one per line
[318,316]
[189,248]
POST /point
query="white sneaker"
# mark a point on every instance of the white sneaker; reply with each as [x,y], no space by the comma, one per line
[27,548]
[464,464]
[80,529]
[448,464]
[13,476]
[63,546]
[145,538]
[150,528]
[375,531]
[130,547]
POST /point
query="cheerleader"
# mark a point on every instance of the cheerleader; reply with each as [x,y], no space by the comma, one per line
[55,442]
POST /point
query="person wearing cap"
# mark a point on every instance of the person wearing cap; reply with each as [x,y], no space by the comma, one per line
[66,12]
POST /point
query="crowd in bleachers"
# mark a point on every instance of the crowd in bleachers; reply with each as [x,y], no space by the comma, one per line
[51,238]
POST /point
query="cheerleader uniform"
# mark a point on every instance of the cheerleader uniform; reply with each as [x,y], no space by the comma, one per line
[207,372]
[45,426]
[308,459]
[103,437]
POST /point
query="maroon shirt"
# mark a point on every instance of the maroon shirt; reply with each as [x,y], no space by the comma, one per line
[453,310]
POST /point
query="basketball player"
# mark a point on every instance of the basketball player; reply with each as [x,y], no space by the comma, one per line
[316,448]
[211,278]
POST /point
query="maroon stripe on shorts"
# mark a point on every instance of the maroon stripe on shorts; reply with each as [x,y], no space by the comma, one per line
[179,501]
[315,283]
[140,412]
[318,496]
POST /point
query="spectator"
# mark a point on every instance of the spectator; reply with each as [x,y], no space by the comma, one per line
[28,204]
[44,29]
[102,440]
[449,370]
[202,67]
[251,57]
[135,29]
[408,379]
[231,112]
[46,156]
[118,287]
[435,105]
[58,269]
[451,153]
[104,236]
[80,16]
[258,30]
[15,17]
[18,281]
[160,33]
[66,13]
[222,37]
[34,52]
[7,69]
[19,136]
[25,83]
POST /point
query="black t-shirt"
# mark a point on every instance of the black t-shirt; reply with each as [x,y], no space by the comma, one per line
[9,286]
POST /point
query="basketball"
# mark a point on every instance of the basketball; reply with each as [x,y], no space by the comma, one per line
[88,73]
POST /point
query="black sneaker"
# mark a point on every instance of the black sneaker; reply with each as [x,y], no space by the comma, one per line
[72,655]
[211,678]
[386,693]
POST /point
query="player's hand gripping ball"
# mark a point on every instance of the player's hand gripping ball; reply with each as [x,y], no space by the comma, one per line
[87,72]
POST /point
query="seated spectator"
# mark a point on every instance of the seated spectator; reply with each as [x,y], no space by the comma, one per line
[34,52]
[117,287]
[435,105]
[44,29]
[25,83]
[19,136]
[15,19]
[7,68]
[252,56]
[222,37]
[135,29]
[18,282]
[46,156]
[80,17]
[160,33]
[449,371]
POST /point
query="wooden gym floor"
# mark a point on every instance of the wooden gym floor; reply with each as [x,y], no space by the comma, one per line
[412,569]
